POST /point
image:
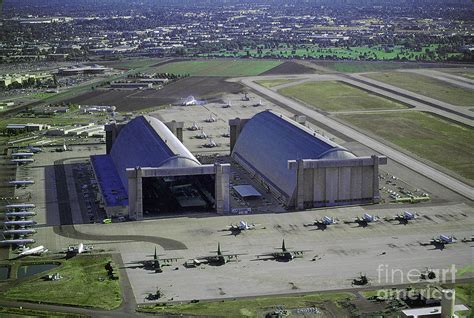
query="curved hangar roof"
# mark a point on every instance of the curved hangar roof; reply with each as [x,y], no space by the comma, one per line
[145,142]
[268,140]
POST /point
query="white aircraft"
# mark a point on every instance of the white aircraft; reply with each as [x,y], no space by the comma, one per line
[211,119]
[324,222]
[194,126]
[260,103]
[241,226]
[20,214]
[228,105]
[20,241]
[19,223]
[33,251]
[210,144]
[226,134]
[79,249]
[22,154]
[202,135]
[189,101]
[19,183]
[20,206]
[19,232]
[23,161]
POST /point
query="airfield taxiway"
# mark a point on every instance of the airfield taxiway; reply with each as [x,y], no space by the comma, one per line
[337,254]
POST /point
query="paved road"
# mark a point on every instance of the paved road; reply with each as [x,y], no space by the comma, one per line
[461,111]
[166,243]
[456,113]
[393,154]
[445,77]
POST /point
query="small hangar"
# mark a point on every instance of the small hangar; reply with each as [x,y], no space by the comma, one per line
[303,169]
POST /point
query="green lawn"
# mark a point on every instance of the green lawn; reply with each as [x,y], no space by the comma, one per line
[251,307]
[275,82]
[222,67]
[362,66]
[15,312]
[84,283]
[427,86]
[438,140]
[375,53]
[337,96]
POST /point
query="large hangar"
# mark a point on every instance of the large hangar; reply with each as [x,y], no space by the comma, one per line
[303,169]
[147,170]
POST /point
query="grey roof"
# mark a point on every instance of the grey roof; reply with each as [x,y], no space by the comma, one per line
[268,140]
[246,190]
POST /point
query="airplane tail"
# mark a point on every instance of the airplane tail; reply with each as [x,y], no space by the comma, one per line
[155,256]
[283,247]
[219,249]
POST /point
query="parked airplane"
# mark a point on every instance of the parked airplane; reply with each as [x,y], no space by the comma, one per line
[20,206]
[73,250]
[191,101]
[19,183]
[403,218]
[236,229]
[23,161]
[260,103]
[210,144]
[33,251]
[201,135]
[23,223]
[22,154]
[20,214]
[285,255]
[215,260]
[324,222]
[441,240]
[194,126]
[364,220]
[19,232]
[34,149]
[20,241]
[211,119]
[228,105]
[226,134]
[156,263]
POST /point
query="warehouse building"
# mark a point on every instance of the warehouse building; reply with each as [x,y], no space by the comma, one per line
[147,171]
[302,168]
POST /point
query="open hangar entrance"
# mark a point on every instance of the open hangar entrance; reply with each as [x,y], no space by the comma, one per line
[178,194]
[168,190]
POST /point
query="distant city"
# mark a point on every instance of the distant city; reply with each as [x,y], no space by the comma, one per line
[334,30]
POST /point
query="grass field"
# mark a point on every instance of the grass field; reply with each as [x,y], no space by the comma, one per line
[363,66]
[427,86]
[337,96]
[377,52]
[440,141]
[84,283]
[251,307]
[15,312]
[273,83]
[224,67]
